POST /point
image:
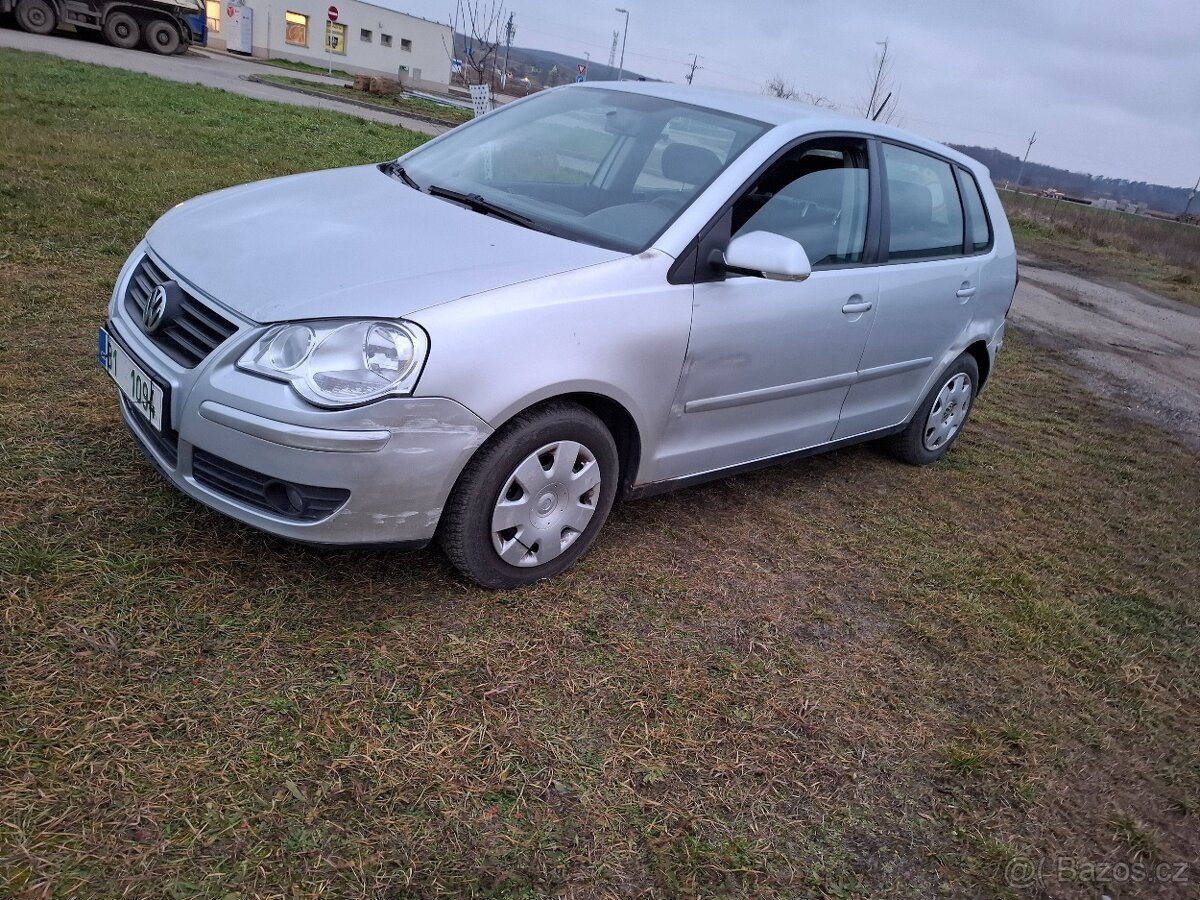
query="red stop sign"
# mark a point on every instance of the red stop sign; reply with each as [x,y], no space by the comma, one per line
[333,14]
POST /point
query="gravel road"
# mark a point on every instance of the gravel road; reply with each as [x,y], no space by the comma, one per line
[1139,350]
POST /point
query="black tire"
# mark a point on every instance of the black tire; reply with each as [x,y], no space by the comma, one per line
[36,16]
[122,30]
[162,37]
[466,532]
[929,436]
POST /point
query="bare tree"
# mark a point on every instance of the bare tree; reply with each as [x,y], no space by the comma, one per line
[481,24]
[884,100]
[776,86]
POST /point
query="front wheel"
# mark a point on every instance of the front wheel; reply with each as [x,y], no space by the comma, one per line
[122,30]
[940,417]
[533,499]
[163,37]
[36,16]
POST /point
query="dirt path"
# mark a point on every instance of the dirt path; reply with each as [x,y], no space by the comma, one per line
[1136,348]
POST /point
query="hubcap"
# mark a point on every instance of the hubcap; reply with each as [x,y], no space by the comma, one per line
[546,504]
[949,411]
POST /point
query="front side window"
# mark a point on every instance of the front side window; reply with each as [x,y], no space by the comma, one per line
[925,212]
[297,29]
[602,166]
[816,195]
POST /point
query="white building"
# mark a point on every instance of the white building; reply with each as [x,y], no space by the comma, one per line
[366,38]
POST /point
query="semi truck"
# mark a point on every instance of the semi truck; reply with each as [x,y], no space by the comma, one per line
[162,26]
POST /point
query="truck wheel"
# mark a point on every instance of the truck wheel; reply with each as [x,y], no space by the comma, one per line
[36,16]
[162,37]
[122,30]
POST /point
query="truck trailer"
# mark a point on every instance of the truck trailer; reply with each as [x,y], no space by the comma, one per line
[162,26]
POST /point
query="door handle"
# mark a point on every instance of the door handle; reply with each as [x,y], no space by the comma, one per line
[858,307]
[966,291]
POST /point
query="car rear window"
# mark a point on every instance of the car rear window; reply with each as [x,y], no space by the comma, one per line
[979,230]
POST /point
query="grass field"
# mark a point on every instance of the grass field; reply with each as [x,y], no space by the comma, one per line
[306,67]
[450,115]
[838,678]
[1159,255]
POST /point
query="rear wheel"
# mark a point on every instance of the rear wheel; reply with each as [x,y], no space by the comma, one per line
[36,16]
[122,30]
[163,37]
[941,416]
[533,499]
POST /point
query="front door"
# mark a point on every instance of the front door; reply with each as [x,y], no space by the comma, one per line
[769,363]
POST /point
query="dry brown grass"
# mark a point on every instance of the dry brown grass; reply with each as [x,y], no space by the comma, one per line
[1161,255]
[838,678]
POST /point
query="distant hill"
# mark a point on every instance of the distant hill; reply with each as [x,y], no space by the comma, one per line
[546,68]
[1004,167]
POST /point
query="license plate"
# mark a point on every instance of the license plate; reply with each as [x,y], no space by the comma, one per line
[143,394]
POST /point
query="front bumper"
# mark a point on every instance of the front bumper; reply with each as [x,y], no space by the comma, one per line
[252,449]
[391,494]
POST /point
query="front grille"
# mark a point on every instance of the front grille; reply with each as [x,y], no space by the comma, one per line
[301,502]
[195,330]
[166,445]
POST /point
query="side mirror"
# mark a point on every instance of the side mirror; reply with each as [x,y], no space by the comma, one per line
[763,253]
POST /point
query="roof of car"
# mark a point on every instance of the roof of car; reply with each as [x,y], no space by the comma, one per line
[777,111]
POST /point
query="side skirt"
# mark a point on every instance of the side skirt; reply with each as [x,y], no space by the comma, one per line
[654,488]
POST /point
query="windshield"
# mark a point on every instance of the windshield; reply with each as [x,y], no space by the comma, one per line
[602,166]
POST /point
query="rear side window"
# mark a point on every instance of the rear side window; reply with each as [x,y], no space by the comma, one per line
[979,232]
[925,212]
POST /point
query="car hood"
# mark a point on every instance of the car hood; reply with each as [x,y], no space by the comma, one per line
[349,242]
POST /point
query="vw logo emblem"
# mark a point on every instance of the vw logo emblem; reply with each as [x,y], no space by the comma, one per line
[156,309]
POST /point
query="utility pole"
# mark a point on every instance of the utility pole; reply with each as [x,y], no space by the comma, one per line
[1021,171]
[612,54]
[625,37]
[692,73]
[1191,197]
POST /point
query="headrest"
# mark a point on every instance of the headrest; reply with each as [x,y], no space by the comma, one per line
[689,163]
[911,204]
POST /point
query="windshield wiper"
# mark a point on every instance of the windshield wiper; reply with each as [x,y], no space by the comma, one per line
[483,205]
[394,168]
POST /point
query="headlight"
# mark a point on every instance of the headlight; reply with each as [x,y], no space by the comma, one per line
[339,364]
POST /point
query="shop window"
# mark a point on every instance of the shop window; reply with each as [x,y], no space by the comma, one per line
[385,40]
[297,29]
[335,38]
[212,9]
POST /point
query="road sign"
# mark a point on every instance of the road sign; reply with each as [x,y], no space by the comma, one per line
[581,69]
[579,79]
[333,14]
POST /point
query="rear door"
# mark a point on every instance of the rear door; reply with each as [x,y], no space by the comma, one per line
[926,287]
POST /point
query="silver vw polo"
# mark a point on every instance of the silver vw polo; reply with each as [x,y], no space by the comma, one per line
[601,291]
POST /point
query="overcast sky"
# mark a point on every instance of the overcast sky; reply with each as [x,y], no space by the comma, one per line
[1111,86]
